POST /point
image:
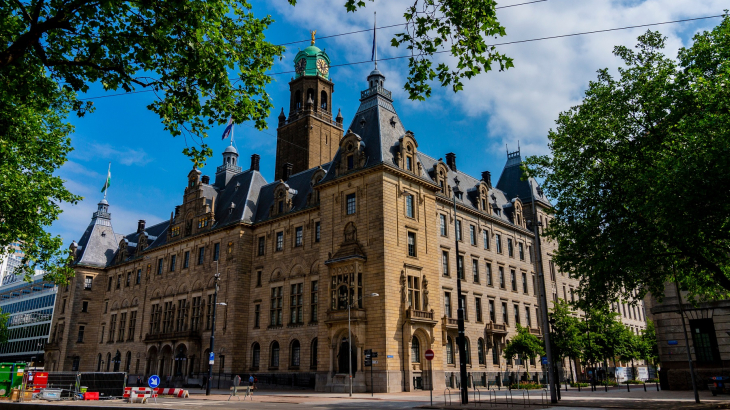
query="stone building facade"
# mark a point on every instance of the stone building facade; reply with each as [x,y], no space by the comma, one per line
[370,221]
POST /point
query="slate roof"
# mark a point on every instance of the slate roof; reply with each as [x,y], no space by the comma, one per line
[511,183]
[97,245]
[299,183]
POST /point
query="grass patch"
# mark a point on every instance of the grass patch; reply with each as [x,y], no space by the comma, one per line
[526,386]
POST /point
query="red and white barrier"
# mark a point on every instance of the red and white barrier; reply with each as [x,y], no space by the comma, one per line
[181,393]
[139,394]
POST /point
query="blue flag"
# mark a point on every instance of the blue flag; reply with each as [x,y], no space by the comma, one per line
[229,128]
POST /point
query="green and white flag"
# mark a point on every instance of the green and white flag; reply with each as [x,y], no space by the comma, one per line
[108,179]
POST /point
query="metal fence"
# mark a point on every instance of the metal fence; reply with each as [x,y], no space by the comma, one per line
[304,380]
[107,384]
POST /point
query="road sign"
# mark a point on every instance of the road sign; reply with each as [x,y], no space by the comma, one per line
[211,358]
[544,360]
[429,354]
[368,362]
[368,351]
[375,362]
[374,354]
[153,381]
[672,342]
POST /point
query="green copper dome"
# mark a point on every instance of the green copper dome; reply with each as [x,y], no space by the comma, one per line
[312,62]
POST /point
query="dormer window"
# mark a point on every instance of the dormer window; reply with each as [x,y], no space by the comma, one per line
[192,183]
[281,206]
[409,163]
[484,204]
[350,162]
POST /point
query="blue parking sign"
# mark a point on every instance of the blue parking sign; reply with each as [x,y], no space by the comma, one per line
[153,381]
[544,360]
[211,358]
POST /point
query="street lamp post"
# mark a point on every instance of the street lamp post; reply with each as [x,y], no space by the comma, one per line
[349,336]
[212,330]
[461,340]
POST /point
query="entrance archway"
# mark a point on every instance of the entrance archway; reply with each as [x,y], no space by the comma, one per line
[343,358]
[166,359]
[181,353]
[151,364]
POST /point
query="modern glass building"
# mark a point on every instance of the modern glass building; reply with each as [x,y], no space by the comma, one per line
[30,305]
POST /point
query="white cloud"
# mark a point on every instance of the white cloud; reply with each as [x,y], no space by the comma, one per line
[122,155]
[549,76]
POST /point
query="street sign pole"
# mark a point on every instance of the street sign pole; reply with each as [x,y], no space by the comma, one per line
[429,356]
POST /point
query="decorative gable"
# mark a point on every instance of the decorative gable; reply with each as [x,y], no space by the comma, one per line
[405,156]
[352,153]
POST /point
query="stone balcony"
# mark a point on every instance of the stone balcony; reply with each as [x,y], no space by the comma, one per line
[338,316]
[420,316]
[536,331]
[495,328]
[450,322]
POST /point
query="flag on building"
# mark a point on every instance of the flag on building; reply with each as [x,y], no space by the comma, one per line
[229,128]
[108,179]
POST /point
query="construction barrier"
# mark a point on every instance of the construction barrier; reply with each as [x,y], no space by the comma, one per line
[141,394]
[181,393]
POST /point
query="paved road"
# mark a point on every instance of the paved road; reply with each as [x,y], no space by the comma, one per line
[309,400]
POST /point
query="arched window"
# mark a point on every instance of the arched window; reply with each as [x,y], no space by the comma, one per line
[128,362]
[98,363]
[295,352]
[323,100]
[467,350]
[255,355]
[480,351]
[298,100]
[108,361]
[415,351]
[449,350]
[314,354]
[274,359]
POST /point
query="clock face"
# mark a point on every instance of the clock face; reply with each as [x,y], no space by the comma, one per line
[322,66]
[301,66]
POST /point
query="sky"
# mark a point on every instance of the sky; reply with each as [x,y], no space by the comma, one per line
[496,111]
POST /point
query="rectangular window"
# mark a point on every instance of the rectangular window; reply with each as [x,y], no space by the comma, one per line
[279,241]
[122,325]
[129,279]
[501,277]
[80,339]
[258,278]
[132,325]
[551,264]
[447,304]
[521,248]
[458,230]
[478,307]
[498,242]
[298,236]
[186,259]
[275,314]
[409,165]
[262,245]
[473,235]
[139,276]
[85,306]
[485,239]
[216,251]
[528,321]
[87,282]
[351,202]
[489,275]
[492,317]
[513,277]
[460,267]
[112,327]
[495,356]
[317,232]
[412,244]
[462,306]
[197,312]
[256,316]
[109,285]
[350,162]
[445,262]
[314,302]
[281,207]
[414,292]
[475,270]
[173,262]
[119,281]
[510,250]
[705,340]
[296,304]
[201,255]
[524,282]
[517,314]
[409,206]
[442,224]
[505,319]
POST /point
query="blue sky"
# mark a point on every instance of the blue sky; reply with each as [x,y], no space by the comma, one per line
[149,171]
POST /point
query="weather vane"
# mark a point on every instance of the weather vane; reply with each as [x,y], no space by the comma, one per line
[313,32]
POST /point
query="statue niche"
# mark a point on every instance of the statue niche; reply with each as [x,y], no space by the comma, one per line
[350,233]
[349,247]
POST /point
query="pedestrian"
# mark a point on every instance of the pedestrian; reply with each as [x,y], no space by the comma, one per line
[251,383]
[168,380]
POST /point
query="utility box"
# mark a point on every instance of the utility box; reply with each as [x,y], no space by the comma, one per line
[11,377]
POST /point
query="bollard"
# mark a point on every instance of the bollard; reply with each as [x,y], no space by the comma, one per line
[579,387]
[657,386]
[644,386]
[628,388]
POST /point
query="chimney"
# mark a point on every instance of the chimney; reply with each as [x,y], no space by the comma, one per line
[451,161]
[177,210]
[255,158]
[487,178]
[140,226]
[206,179]
[287,171]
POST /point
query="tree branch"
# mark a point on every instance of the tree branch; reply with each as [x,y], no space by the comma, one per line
[25,12]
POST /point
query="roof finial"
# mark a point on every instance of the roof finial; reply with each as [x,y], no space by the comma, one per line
[313,32]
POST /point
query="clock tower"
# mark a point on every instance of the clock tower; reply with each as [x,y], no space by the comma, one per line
[309,136]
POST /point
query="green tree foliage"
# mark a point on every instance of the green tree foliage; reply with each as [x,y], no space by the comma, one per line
[567,331]
[648,349]
[183,50]
[459,27]
[638,173]
[4,317]
[523,345]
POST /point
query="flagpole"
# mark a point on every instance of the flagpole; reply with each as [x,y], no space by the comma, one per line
[375,37]
[106,183]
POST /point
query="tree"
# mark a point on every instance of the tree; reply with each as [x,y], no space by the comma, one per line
[4,317]
[566,334]
[648,350]
[205,60]
[523,345]
[635,173]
